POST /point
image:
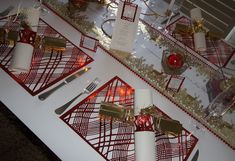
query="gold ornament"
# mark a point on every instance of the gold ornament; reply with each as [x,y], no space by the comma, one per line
[198,26]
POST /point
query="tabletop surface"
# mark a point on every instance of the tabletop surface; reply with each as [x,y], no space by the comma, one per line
[39,115]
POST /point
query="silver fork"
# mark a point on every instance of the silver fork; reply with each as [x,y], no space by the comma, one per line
[86,90]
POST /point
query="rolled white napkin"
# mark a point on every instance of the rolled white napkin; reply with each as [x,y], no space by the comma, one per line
[196,14]
[22,57]
[199,37]
[145,149]
[23,51]
[143,98]
[199,41]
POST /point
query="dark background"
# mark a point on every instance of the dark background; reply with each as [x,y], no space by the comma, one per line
[18,143]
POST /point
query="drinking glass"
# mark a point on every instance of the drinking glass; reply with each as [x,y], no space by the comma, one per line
[219,106]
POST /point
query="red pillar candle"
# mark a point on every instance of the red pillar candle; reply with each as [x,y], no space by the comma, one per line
[175,61]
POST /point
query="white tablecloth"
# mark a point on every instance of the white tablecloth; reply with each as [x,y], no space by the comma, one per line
[39,116]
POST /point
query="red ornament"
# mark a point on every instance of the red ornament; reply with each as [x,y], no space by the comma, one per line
[143,123]
[175,61]
[27,36]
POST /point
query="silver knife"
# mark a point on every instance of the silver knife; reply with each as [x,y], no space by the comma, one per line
[196,155]
[43,96]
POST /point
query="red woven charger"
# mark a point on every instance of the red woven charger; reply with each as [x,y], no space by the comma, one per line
[113,140]
[46,68]
[217,52]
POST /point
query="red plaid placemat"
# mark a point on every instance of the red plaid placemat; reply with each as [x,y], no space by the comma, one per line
[113,140]
[218,52]
[46,68]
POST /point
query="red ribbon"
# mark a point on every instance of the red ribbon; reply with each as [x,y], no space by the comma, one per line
[27,36]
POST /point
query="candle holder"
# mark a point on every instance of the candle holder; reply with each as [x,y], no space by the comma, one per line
[173,63]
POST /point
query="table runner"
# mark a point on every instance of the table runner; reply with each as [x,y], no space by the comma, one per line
[114,140]
[46,68]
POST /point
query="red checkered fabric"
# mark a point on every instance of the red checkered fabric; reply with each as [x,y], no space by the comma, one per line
[218,52]
[115,140]
[47,68]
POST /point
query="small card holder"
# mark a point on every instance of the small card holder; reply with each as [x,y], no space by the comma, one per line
[129,11]
[89,43]
[175,82]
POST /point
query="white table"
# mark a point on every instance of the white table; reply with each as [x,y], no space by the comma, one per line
[40,118]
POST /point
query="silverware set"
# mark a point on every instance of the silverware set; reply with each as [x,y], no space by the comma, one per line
[86,90]
[44,95]
[90,88]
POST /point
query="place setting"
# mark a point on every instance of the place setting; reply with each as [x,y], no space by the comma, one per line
[47,56]
[105,119]
[213,49]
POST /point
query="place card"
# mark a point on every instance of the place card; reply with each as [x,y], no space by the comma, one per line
[125,27]
[175,82]
[89,43]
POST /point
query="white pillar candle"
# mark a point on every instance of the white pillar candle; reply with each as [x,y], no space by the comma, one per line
[22,57]
[196,14]
[145,148]
[32,17]
[199,41]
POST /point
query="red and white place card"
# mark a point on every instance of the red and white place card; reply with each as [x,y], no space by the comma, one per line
[125,27]
[175,82]
[89,43]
